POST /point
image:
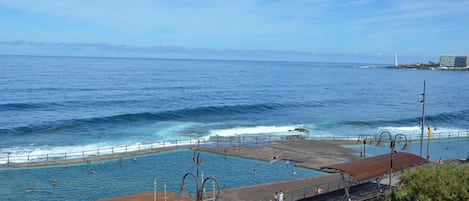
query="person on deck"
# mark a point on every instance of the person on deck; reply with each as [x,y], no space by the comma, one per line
[280,196]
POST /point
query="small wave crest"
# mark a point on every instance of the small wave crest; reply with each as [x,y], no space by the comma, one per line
[462,115]
[189,113]
[366,66]
[450,119]
[19,106]
[203,114]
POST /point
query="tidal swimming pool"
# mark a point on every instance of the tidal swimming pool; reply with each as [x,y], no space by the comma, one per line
[111,178]
[438,148]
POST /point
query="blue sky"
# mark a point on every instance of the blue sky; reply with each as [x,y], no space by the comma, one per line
[315,30]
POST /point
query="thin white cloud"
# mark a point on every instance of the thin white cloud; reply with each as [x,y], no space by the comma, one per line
[164,51]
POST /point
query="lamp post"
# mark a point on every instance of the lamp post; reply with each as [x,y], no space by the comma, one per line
[422,123]
[199,187]
[392,145]
[364,138]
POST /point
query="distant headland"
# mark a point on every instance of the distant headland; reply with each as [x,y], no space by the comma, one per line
[447,62]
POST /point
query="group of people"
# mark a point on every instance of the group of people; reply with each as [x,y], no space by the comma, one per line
[277,196]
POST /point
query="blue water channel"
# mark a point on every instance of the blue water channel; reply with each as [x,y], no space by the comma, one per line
[438,148]
[111,178]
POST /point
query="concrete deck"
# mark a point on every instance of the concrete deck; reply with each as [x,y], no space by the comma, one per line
[307,153]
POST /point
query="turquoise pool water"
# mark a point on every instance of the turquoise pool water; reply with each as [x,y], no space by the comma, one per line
[439,148]
[124,176]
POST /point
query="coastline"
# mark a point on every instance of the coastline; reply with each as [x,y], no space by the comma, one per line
[428,66]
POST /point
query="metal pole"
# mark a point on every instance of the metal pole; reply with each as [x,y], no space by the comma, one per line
[364,143]
[164,191]
[392,152]
[428,142]
[213,190]
[154,190]
[423,118]
[346,187]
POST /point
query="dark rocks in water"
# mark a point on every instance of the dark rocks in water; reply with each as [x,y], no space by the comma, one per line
[303,130]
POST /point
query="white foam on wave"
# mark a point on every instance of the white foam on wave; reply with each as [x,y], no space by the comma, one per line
[166,130]
[30,154]
[413,132]
[401,128]
[366,66]
[251,130]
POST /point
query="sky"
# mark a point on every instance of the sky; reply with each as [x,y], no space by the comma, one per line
[368,31]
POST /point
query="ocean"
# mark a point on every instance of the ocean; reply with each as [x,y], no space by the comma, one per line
[66,104]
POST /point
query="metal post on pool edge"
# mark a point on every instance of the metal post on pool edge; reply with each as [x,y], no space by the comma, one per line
[364,138]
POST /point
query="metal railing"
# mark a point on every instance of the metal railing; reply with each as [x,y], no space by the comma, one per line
[213,142]
[310,191]
[127,150]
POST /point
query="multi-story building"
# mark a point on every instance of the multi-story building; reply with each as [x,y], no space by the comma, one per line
[453,61]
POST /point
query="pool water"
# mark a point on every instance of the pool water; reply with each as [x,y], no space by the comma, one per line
[111,178]
[439,148]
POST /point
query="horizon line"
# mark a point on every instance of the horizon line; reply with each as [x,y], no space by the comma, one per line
[181,58]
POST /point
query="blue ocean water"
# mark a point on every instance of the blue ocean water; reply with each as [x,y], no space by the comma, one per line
[62,104]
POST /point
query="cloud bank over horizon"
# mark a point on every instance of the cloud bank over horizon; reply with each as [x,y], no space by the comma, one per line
[173,52]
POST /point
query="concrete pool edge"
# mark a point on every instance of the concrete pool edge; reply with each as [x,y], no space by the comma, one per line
[285,150]
[90,159]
